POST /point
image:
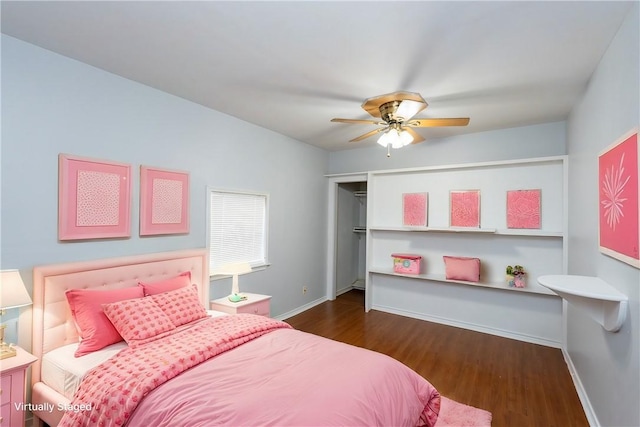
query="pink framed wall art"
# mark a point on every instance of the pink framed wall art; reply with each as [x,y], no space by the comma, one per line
[414,209]
[164,201]
[94,198]
[619,217]
[523,208]
[464,208]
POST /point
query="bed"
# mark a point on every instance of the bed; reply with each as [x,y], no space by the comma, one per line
[210,369]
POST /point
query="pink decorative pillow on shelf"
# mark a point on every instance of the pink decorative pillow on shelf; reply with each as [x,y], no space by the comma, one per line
[181,281]
[182,306]
[462,268]
[138,320]
[94,328]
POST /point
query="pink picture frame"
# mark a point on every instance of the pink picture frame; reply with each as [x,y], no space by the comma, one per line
[94,198]
[414,209]
[164,201]
[523,208]
[464,208]
[618,195]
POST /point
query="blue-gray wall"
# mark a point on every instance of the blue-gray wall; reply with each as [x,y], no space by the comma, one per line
[52,104]
[608,364]
[515,143]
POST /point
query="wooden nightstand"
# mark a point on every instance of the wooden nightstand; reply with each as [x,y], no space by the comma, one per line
[254,304]
[12,390]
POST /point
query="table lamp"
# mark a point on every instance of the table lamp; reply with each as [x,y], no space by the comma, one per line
[13,295]
[234,270]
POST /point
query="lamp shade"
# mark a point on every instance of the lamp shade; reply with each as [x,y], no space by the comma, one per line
[234,269]
[14,294]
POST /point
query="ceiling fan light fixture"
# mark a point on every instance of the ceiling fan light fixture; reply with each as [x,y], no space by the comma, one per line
[395,138]
[396,111]
[385,138]
[405,138]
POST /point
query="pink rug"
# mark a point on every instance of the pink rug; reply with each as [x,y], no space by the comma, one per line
[454,414]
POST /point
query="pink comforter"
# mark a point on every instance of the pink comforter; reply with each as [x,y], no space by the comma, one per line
[288,378]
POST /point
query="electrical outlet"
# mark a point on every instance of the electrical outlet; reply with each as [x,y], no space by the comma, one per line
[304,290]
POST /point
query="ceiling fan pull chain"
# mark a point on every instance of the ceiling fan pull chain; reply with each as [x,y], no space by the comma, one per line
[388,150]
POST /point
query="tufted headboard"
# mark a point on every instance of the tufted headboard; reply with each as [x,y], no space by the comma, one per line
[53,325]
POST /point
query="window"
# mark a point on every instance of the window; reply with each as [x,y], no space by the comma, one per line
[237,228]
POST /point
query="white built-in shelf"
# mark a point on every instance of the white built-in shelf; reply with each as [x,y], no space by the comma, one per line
[435,229]
[441,278]
[528,232]
[504,232]
[601,301]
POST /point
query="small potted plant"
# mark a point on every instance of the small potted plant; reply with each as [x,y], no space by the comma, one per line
[515,276]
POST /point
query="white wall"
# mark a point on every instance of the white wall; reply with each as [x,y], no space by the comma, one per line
[52,104]
[607,364]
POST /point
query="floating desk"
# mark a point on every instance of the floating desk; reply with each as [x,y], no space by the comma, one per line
[601,301]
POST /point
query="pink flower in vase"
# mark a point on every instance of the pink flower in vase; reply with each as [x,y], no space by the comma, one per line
[515,276]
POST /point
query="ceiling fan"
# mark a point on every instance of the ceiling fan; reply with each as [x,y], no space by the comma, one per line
[396,111]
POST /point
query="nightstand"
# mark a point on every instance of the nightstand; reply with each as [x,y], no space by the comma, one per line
[254,304]
[12,390]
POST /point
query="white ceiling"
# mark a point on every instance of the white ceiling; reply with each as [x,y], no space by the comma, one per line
[291,66]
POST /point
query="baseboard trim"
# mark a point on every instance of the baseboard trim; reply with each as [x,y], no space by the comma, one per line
[471,326]
[582,393]
[301,309]
[343,290]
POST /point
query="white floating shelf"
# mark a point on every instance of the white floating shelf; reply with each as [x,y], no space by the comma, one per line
[436,229]
[503,232]
[529,232]
[483,284]
[601,301]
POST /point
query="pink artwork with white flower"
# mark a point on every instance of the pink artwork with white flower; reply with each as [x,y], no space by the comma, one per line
[618,200]
[465,208]
[523,209]
[414,206]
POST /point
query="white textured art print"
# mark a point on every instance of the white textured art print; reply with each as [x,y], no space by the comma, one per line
[98,196]
[167,201]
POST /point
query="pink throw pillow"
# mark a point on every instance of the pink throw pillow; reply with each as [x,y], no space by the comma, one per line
[181,281]
[94,328]
[138,320]
[182,306]
[462,268]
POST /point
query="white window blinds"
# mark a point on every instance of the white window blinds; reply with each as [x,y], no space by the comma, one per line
[238,229]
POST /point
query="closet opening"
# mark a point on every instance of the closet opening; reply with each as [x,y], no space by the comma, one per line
[350,237]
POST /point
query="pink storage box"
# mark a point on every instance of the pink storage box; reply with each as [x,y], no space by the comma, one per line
[406,263]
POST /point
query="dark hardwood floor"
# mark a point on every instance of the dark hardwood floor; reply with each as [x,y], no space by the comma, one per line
[521,384]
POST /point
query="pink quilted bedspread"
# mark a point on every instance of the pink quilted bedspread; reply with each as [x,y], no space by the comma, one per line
[277,376]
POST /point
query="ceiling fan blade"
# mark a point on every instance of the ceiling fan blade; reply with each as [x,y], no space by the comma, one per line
[417,138]
[428,123]
[359,122]
[368,134]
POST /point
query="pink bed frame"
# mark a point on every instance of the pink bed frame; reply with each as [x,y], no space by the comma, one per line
[53,325]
